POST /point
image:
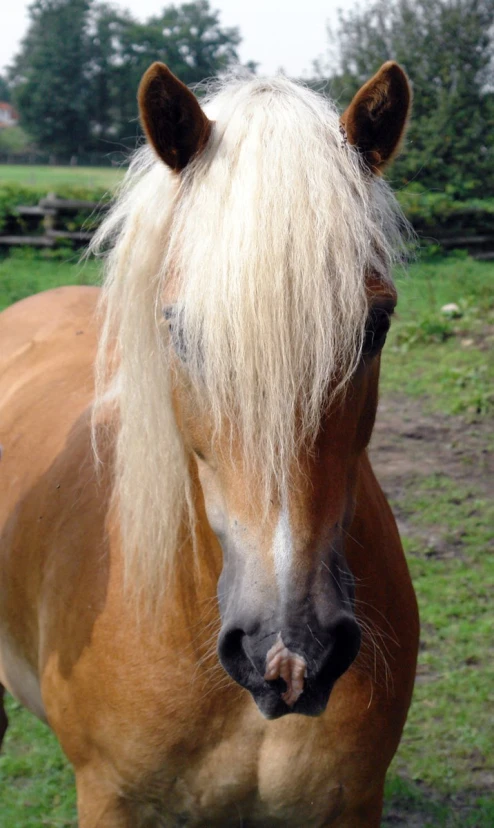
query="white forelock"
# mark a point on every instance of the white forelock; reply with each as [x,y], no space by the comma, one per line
[264,242]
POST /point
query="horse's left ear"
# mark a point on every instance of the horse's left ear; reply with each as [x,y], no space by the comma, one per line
[376,119]
[173,121]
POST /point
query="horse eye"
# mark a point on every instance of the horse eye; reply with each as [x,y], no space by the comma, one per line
[176,332]
[376,329]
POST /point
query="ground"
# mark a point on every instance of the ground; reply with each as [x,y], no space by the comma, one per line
[423,455]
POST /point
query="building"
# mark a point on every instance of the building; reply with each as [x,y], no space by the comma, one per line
[8,115]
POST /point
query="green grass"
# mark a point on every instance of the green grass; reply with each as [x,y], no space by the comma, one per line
[444,763]
[408,803]
[446,361]
[36,781]
[26,272]
[444,766]
[53,177]
[448,738]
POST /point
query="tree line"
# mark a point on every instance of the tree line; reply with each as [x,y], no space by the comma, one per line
[447,49]
[75,77]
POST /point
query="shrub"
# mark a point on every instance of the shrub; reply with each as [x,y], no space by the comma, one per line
[434,211]
[14,195]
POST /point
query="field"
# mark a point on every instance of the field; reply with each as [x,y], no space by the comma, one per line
[433,451]
[54,177]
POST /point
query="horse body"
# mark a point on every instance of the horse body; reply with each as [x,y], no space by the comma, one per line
[157,731]
[143,711]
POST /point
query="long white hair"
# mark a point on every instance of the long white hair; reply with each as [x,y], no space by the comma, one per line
[264,241]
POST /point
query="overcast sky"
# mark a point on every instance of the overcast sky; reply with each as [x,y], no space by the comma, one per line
[276,34]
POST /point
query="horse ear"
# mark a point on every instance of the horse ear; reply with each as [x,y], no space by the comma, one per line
[376,119]
[172,119]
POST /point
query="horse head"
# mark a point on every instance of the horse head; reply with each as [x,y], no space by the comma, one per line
[274,322]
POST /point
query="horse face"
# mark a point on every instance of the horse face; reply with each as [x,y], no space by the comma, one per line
[286,592]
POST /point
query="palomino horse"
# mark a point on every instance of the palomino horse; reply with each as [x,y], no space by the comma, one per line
[203,590]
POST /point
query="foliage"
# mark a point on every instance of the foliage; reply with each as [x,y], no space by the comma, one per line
[446,46]
[14,140]
[76,76]
[49,75]
[426,210]
[188,38]
[4,89]
[12,195]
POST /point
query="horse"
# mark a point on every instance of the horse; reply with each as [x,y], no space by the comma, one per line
[202,586]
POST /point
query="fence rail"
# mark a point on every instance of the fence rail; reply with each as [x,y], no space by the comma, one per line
[42,225]
[479,247]
[45,225]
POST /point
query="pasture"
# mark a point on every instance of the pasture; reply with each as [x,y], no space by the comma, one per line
[53,177]
[432,450]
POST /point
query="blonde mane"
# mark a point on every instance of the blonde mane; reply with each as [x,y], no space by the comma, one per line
[264,242]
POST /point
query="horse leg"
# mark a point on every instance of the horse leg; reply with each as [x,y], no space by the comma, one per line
[365,815]
[99,805]
[3,716]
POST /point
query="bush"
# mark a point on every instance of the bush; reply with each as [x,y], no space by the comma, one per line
[14,195]
[434,211]
[14,140]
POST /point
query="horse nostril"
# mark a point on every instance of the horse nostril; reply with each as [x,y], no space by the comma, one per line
[233,657]
[230,643]
[346,637]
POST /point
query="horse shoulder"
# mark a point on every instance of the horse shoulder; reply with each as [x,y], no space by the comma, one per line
[48,347]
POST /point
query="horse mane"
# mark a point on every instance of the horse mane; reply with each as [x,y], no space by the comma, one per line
[264,242]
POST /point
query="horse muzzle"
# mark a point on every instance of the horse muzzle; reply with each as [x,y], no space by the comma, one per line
[289,671]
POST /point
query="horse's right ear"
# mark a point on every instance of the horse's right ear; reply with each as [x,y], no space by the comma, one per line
[172,119]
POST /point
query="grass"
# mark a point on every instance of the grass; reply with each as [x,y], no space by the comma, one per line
[26,272]
[447,744]
[36,781]
[53,177]
[444,768]
[459,379]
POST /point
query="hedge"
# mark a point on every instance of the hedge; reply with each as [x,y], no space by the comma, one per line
[431,214]
[14,195]
[429,211]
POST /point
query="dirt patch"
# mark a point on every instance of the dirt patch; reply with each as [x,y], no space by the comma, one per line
[409,442]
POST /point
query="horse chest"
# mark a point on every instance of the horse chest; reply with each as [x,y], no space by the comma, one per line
[257,774]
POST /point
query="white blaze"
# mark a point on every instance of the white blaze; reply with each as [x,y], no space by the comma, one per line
[283,544]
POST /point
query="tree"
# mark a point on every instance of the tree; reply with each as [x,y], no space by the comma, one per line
[447,49]
[188,38]
[75,79]
[4,89]
[195,46]
[49,75]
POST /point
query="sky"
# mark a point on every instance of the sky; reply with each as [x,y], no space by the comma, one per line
[276,33]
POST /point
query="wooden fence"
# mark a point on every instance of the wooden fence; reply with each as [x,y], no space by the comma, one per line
[480,246]
[45,225]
